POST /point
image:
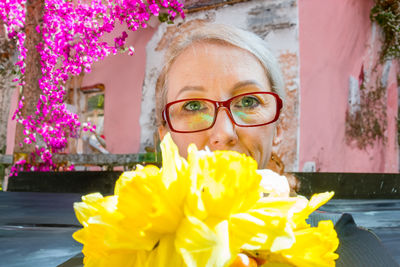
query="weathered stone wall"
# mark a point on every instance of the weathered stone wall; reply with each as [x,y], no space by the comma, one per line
[7,86]
[276,22]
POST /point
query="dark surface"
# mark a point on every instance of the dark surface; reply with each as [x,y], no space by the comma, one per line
[382,216]
[345,185]
[351,185]
[82,182]
[359,247]
[36,228]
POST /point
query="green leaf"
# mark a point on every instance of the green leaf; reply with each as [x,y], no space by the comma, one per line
[163,17]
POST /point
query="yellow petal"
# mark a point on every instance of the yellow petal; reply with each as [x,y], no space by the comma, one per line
[118,259]
[227,180]
[316,201]
[201,245]
[315,246]
[93,204]
[148,204]
[173,164]
[165,254]
[260,230]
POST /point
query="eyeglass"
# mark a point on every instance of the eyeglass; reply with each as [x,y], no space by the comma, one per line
[244,110]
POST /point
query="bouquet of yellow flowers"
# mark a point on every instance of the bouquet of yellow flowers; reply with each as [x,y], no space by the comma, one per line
[201,212]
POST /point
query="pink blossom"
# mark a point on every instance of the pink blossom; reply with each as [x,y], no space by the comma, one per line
[71,33]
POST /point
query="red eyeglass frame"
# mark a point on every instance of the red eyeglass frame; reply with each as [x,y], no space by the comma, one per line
[222,104]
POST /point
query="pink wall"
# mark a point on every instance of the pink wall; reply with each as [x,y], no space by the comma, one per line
[123,77]
[335,41]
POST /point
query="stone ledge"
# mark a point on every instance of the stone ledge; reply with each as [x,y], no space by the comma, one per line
[96,159]
[6,160]
[351,185]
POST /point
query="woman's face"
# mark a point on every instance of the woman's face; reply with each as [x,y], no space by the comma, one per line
[219,72]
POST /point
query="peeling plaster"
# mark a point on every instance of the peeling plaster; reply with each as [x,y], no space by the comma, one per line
[385,73]
[354,95]
[270,16]
[285,146]
[366,116]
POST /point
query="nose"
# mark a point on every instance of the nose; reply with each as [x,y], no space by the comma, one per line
[223,134]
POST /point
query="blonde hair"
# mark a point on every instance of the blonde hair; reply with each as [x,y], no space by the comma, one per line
[223,34]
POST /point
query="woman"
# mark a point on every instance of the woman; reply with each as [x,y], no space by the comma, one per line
[222,64]
[221,88]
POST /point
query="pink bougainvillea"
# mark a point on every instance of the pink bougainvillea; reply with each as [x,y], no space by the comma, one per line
[12,12]
[71,42]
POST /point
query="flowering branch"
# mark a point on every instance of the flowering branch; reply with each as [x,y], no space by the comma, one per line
[72,34]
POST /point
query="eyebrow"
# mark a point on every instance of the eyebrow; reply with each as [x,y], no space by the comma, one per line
[245,83]
[190,88]
[235,87]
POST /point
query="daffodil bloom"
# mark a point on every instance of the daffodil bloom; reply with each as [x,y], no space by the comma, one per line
[202,212]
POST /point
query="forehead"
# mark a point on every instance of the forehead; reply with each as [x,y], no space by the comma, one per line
[215,67]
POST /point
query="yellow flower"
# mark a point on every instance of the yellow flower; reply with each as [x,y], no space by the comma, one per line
[314,247]
[148,208]
[200,212]
[315,202]
[225,181]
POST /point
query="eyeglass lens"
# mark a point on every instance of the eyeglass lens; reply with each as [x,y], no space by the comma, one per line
[246,110]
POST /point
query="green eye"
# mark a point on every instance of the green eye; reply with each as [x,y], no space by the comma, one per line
[249,101]
[192,105]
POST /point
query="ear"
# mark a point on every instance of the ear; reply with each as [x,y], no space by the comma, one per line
[162,131]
